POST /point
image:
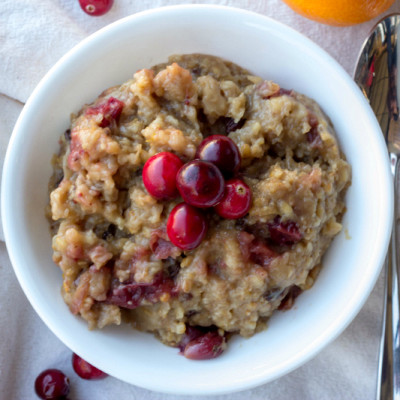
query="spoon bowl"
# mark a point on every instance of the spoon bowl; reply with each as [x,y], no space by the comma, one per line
[377,76]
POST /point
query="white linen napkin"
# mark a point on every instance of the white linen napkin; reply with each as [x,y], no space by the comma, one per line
[33,36]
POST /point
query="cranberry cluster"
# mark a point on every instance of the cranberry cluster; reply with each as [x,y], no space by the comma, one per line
[205,182]
[53,384]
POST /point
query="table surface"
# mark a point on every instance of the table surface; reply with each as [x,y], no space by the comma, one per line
[35,34]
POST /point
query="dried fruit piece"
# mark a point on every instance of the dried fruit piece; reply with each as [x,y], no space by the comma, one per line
[284,233]
[288,301]
[313,136]
[255,250]
[110,110]
[232,126]
[130,295]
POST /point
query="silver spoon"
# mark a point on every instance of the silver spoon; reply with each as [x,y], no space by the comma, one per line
[377,75]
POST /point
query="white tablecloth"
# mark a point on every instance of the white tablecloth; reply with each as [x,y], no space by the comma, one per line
[34,34]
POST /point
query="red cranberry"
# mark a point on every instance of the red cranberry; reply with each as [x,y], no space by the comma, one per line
[159,175]
[186,226]
[255,250]
[127,295]
[222,152]
[161,246]
[130,295]
[210,345]
[52,384]
[313,136]
[110,109]
[191,333]
[236,201]
[200,183]
[86,370]
[280,92]
[96,8]
[284,233]
[261,253]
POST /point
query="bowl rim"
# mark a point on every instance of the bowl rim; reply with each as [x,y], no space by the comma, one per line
[6,204]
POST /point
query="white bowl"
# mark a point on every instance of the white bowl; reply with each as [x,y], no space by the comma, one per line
[268,49]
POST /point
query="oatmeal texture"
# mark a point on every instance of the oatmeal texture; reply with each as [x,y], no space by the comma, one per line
[109,234]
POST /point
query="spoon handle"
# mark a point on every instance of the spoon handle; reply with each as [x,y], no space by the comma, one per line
[386,389]
[388,385]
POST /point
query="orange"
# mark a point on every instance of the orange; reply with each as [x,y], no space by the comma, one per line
[340,12]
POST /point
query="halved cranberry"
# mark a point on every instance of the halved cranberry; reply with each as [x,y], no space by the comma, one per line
[86,370]
[284,233]
[222,152]
[186,226]
[52,384]
[96,8]
[236,201]
[110,109]
[210,345]
[159,175]
[200,183]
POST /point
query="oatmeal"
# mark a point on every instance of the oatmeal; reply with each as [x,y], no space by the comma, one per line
[110,237]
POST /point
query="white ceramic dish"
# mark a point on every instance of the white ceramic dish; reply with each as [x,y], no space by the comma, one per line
[268,49]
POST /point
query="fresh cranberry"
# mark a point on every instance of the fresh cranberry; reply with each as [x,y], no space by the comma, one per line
[110,109]
[96,8]
[159,175]
[86,370]
[210,345]
[284,233]
[200,183]
[186,226]
[222,152]
[52,384]
[236,201]
[191,333]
